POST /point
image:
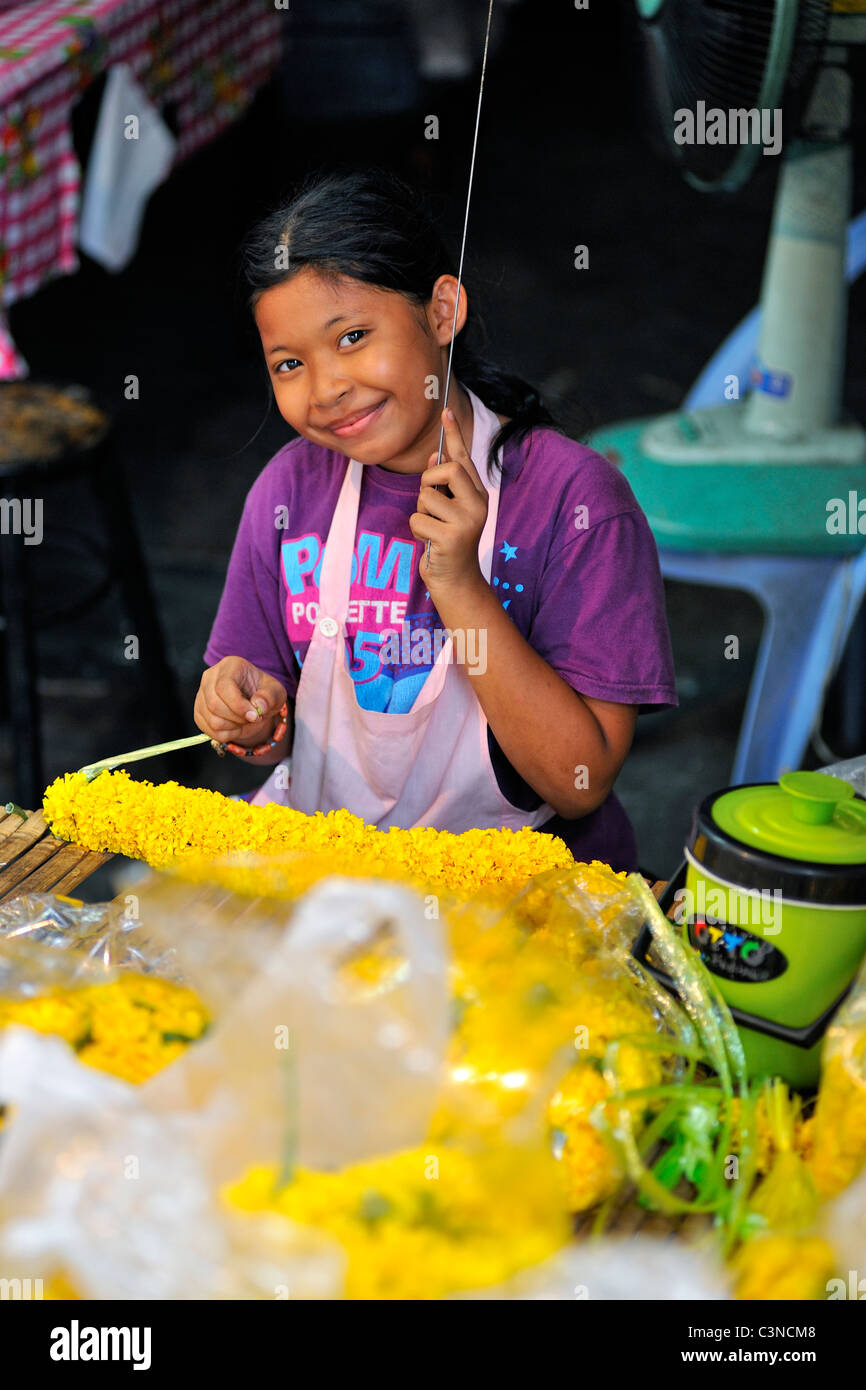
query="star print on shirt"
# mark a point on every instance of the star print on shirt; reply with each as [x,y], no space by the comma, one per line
[509,551]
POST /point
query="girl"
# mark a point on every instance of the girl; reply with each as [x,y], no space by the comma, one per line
[496,683]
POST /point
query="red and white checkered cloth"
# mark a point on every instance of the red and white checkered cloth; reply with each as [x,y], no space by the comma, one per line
[206,57]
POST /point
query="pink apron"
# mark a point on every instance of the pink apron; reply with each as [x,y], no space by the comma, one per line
[428,766]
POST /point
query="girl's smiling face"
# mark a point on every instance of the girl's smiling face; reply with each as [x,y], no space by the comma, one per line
[351,365]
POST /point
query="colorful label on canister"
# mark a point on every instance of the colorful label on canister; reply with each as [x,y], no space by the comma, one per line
[734,953]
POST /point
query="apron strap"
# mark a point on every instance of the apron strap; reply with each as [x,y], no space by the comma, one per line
[335,576]
[484,430]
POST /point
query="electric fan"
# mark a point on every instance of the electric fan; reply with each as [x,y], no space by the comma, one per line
[727,79]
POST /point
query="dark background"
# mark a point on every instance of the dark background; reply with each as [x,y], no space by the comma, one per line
[563,159]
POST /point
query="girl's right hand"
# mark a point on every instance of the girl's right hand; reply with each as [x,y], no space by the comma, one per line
[238,703]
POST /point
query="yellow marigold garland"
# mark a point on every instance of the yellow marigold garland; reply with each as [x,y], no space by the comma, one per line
[167,822]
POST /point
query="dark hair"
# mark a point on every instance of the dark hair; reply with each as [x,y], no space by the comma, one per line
[371,225]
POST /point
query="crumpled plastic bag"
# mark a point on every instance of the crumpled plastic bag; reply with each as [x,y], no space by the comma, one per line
[100,1187]
[116,1184]
[839,1128]
[842,1223]
[49,942]
[318,1066]
[330,1045]
[638,1267]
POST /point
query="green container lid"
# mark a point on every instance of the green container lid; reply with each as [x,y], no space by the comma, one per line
[808,816]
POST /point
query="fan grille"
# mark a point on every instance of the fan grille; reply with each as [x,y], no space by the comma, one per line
[720,52]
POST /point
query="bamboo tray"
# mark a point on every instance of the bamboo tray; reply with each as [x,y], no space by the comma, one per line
[32,860]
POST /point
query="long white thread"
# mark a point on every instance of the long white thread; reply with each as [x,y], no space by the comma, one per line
[463,247]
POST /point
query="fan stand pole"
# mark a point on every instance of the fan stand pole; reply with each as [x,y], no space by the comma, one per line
[797,378]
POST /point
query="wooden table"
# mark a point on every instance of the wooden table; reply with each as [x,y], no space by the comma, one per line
[32,860]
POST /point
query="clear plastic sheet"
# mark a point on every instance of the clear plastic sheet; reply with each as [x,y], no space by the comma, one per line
[697,989]
[842,1222]
[644,1268]
[331,1045]
[837,1152]
[49,943]
[102,1187]
[117,1185]
[600,903]
[319,1066]
[839,1138]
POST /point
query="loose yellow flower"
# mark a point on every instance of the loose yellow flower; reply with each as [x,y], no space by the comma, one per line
[838,1133]
[65,1014]
[426,1222]
[766,1133]
[590,1170]
[131,1027]
[783,1267]
[528,1018]
[59,1287]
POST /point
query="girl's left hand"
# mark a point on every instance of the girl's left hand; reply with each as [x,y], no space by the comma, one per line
[452,524]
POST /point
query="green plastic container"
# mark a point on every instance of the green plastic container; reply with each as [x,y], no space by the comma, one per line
[775,901]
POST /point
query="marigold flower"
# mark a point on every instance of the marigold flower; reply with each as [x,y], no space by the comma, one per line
[131,1027]
[838,1131]
[166,823]
[783,1267]
[426,1222]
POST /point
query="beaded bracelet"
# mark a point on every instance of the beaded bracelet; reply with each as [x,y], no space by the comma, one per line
[260,749]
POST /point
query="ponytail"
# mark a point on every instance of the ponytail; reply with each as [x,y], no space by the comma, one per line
[504,394]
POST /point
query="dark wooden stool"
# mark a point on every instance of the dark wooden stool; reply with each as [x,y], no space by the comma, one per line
[50,433]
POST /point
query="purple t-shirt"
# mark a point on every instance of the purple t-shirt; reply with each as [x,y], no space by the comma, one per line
[574,563]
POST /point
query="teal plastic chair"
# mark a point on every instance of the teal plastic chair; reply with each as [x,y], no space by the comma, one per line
[809,602]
